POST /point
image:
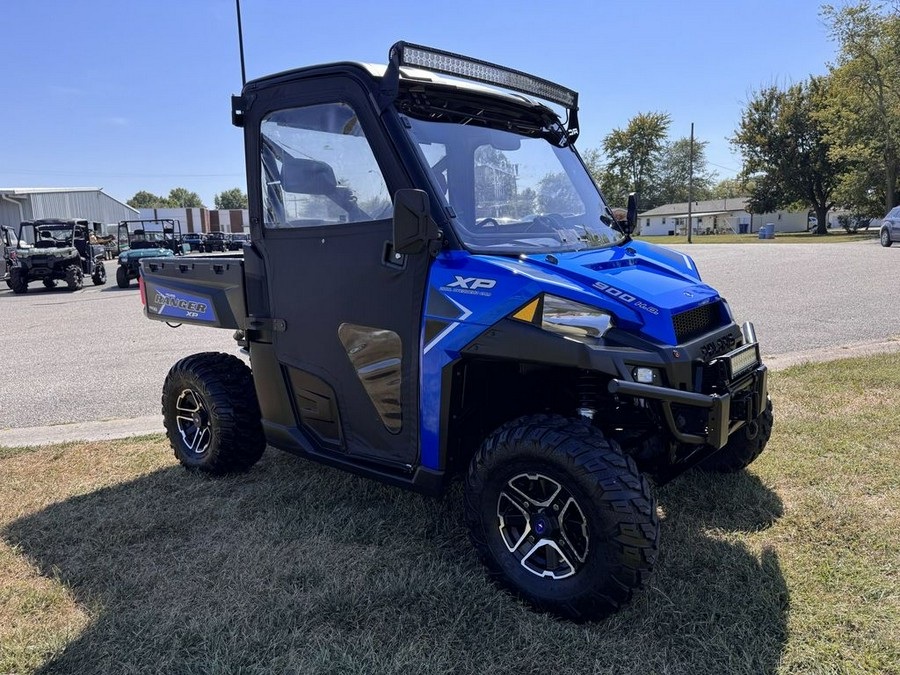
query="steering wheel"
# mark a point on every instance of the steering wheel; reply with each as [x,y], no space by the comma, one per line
[486,222]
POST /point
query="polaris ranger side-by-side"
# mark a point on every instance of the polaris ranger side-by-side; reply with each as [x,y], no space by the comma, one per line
[61,251]
[436,287]
[145,239]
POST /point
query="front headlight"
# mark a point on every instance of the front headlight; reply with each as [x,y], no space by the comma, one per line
[567,318]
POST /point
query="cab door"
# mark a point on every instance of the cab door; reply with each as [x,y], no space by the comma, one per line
[346,310]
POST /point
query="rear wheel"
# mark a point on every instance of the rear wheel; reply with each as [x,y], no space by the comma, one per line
[18,281]
[211,414]
[743,446]
[74,278]
[49,283]
[886,238]
[561,516]
[122,280]
[99,275]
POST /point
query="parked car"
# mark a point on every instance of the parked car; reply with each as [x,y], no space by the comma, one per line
[890,227]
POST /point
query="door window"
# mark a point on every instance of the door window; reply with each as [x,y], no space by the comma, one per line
[318,169]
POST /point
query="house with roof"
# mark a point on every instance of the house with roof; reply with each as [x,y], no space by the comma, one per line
[717,216]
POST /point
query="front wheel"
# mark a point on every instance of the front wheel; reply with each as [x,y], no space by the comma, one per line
[743,446]
[49,283]
[122,280]
[74,278]
[886,238]
[18,280]
[561,516]
[211,414]
[99,275]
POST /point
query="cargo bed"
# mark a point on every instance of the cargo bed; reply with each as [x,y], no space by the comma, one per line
[205,290]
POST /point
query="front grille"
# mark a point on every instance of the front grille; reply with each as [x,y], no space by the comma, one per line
[698,321]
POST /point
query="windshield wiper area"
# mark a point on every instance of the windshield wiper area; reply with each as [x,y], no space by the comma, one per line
[459,107]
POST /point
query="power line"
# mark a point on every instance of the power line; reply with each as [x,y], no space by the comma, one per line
[117,174]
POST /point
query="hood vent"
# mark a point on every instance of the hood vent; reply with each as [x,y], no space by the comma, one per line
[698,321]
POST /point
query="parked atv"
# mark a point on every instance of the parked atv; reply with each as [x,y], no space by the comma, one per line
[215,241]
[236,241]
[149,238]
[435,287]
[194,240]
[61,252]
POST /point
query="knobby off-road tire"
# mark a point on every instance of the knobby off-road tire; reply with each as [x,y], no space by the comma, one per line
[74,278]
[543,478]
[18,282]
[122,280]
[49,283]
[743,446]
[99,275]
[885,238]
[211,414]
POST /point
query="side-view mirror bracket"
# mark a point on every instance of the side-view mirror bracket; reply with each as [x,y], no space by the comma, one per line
[414,230]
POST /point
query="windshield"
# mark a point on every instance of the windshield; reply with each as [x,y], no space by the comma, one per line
[59,234]
[513,193]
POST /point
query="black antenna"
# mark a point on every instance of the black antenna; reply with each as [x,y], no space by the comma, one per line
[241,43]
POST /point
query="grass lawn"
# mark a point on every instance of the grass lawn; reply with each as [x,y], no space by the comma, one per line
[833,237]
[115,560]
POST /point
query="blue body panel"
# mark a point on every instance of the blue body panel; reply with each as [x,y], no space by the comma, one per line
[641,284]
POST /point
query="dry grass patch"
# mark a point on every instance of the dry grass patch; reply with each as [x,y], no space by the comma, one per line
[113,559]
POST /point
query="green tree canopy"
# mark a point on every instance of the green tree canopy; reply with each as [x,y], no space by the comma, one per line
[182,197]
[147,200]
[785,145]
[235,198]
[671,183]
[863,112]
[633,153]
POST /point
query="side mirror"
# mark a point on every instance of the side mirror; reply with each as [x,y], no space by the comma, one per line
[414,230]
[628,225]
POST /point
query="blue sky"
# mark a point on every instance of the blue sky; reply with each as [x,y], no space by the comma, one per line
[135,95]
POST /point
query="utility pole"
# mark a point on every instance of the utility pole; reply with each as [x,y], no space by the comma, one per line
[691,186]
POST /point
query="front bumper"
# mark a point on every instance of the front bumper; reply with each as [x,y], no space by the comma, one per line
[740,398]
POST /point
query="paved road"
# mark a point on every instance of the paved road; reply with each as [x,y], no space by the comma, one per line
[91,355]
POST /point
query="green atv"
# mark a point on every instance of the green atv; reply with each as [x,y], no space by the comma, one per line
[159,238]
[61,252]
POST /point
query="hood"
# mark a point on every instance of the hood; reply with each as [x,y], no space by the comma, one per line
[137,253]
[648,288]
[32,252]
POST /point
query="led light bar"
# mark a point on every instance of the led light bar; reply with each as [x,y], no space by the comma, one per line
[741,360]
[467,68]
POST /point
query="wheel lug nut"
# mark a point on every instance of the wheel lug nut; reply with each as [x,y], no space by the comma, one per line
[556,507]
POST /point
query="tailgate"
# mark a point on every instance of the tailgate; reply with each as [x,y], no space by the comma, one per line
[208,291]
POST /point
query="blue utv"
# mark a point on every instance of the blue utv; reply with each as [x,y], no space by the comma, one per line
[148,238]
[434,288]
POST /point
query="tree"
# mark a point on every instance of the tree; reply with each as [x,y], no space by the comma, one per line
[147,200]
[864,109]
[556,194]
[634,153]
[231,199]
[784,141]
[672,180]
[732,187]
[182,197]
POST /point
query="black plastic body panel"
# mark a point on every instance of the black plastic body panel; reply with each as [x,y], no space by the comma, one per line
[201,290]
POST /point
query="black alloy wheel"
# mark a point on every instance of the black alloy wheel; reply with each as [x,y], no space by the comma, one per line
[561,516]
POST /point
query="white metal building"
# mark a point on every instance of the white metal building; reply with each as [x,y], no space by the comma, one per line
[18,204]
[717,215]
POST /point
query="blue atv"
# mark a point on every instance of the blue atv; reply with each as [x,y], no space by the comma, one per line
[148,238]
[436,288]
